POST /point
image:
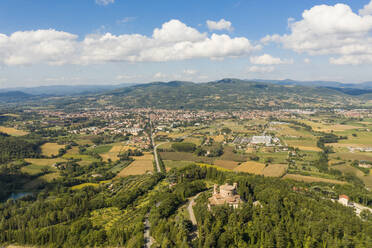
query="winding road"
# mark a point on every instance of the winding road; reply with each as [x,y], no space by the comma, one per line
[155,147]
[149,241]
[195,233]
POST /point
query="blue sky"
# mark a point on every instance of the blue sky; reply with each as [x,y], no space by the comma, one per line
[44,42]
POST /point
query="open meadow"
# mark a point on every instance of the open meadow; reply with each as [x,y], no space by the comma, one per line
[140,165]
[311,179]
[12,131]
[113,152]
[51,149]
[251,167]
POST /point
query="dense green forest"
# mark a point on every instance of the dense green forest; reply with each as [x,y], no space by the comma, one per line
[113,214]
[18,147]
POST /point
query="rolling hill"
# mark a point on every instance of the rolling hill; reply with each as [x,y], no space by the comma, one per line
[231,94]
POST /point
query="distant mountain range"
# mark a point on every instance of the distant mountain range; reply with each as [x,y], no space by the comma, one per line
[14,96]
[234,94]
[225,94]
[365,85]
[65,90]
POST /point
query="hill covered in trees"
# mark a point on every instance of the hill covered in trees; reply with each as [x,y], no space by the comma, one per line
[113,214]
[225,94]
[231,94]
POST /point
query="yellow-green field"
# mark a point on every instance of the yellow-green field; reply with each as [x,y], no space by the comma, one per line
[80,186]
[326,127]
[275,170]
[251,167]
[12,131]
[51,149]
[114,152]
[11,115]
[218,138]
[212,166]
[169,164]
[367,179]
[140,165]
[227,164]
[361,138]
[310,179]
[73,153]
[44,161]
[37,165]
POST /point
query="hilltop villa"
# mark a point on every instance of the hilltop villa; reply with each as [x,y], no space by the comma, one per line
[225,195]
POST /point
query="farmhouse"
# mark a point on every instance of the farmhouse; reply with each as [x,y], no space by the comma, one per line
[226,195]
[344,200]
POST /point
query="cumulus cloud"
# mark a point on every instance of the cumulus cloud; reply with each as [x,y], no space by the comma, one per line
[29,47]
[261,69]
[267,59]
[105,2]
[173,41]
[220,25]
[330,30]
[367,9]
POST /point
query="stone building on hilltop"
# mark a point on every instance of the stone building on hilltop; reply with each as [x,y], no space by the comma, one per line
[226,194]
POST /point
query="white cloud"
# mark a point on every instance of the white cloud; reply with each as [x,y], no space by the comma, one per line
[330,30]
[189,72]
[220,25]
[30,47]
[267,59]
[176,31]
[261,69]
[105,2]
[173,41]
[367,9]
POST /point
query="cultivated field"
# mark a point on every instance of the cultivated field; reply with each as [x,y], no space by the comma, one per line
[227,164]
[114,152]
[37,165]
[73,153]
[275,170]
[44,161]
[310,179]
[12,131]
[251,167]
[325,127]
[367,179]
[51,149]
[352,156]
[169,164]
[185,156]
[140,165]
[218,138]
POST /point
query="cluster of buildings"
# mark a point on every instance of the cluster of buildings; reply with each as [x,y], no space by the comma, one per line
[355,113]
[225,194]
[266,140]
